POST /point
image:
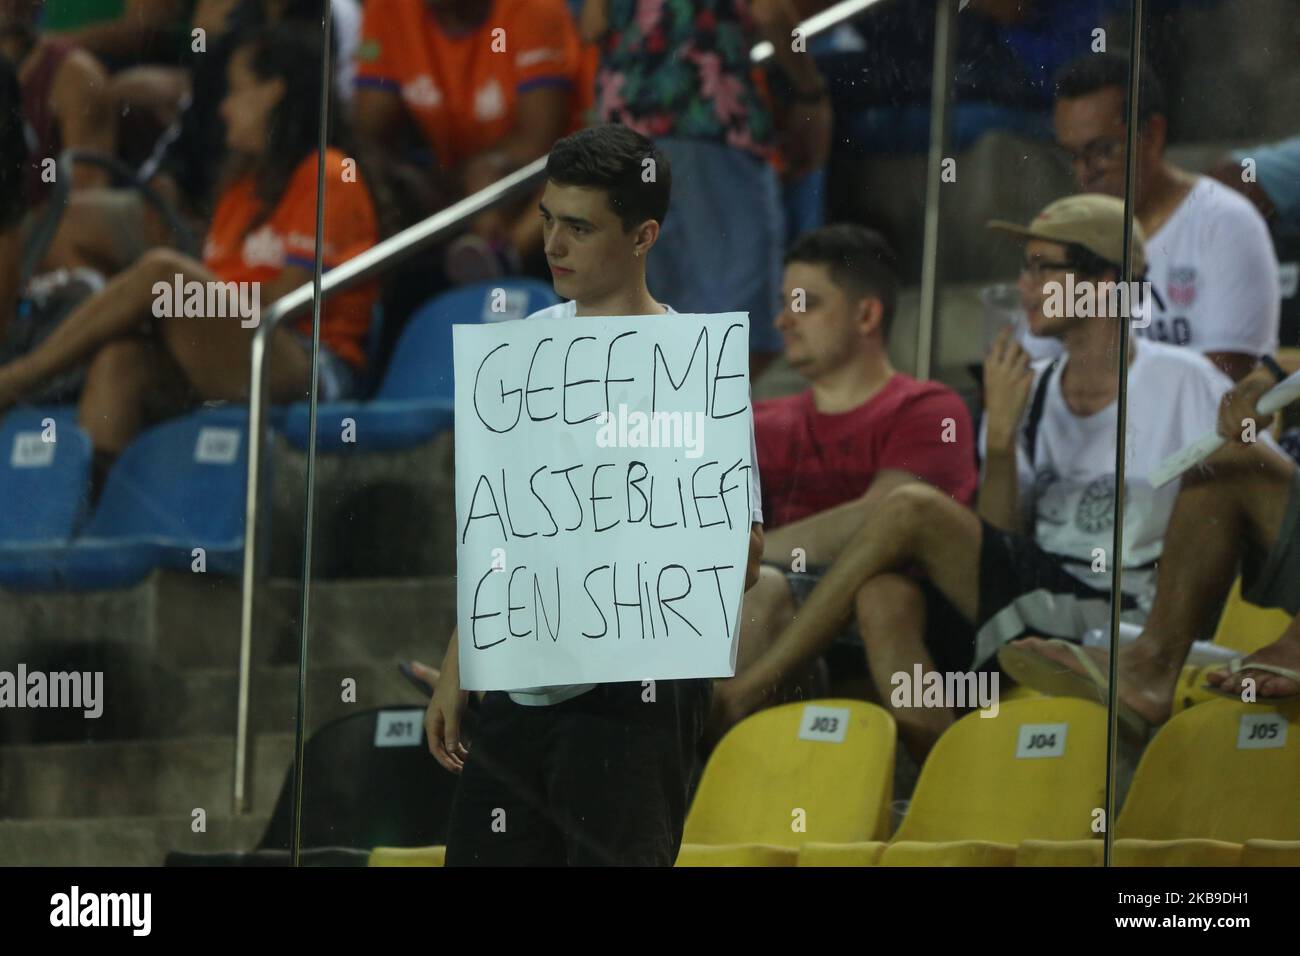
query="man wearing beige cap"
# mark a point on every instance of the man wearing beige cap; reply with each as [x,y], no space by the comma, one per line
[1035,557]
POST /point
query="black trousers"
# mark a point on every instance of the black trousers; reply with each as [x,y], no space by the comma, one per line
[603,779]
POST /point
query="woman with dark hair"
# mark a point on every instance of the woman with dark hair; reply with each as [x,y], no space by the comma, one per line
[152,355]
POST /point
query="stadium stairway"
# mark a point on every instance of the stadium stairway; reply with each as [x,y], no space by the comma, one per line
[122,789]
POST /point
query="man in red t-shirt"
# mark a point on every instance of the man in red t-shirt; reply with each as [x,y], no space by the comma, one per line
[834,451]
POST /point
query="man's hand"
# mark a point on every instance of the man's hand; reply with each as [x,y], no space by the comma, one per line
[755,555]
[1239,403]
[1007,381]
[442,720]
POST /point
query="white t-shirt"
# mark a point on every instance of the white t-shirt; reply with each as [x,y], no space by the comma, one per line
[558,693]
[1068,496]
[1214,272]
[347,33]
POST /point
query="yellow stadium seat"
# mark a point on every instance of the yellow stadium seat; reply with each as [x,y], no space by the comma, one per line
[736,854]
[956,853]
[1245,627]
[1270,853]
[1176,853]
[407,856]
[765,783]
[1060,853]
[1018,692]
[1190,689]
[985,781]
[1222,770]
[840,854]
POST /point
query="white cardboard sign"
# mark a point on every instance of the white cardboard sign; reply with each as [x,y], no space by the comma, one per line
[602,498]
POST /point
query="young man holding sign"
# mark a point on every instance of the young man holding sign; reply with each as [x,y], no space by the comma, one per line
[594,773]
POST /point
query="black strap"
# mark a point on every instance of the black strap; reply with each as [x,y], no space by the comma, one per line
[1036,410]
[1270,363]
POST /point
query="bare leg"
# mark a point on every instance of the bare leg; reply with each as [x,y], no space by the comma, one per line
[1284,652]
[1239,496]
[126,378]
[768,607]
[915,525]
[121,308]
[91,231]
[767,610]
[891,620]
[213,352]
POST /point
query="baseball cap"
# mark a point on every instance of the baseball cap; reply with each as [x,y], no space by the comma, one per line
[1091,220]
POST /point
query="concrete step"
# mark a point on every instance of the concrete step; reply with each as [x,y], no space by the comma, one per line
[122,841]
[192,620]
[205,700]
[377,513]
[164,778]
[157,703]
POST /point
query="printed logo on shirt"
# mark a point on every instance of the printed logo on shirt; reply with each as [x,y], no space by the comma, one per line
[1096,509]
[422,93]
[263,248]
[489,102]
[528,57]
[1182,285]
[1176,330]
[368,51]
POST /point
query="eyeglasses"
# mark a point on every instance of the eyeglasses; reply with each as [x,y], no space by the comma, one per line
[1099,153]
[1037,268]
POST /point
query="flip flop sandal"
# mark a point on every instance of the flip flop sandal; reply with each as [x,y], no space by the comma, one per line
[1047,676]
[1239,664]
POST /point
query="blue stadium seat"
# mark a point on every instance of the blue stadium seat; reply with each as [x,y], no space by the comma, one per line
[177,487]
[417,397]
[48,479]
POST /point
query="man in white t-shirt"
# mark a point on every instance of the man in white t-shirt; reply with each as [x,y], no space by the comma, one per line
[1036,557]
[1240,510]
[1210,258]
[590,774]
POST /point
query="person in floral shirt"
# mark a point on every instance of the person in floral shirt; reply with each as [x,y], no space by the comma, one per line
[679,72]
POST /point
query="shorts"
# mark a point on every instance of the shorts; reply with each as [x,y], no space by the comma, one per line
[721,244]
[1025,590]
[1273,580]
[1022,590]
[601,779]
[949,637]
[337,379]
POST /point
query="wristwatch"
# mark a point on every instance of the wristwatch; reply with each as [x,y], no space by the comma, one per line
[1270,363]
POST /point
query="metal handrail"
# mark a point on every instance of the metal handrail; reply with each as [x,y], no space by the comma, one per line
[818,23]
[367,265]
[358,269]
